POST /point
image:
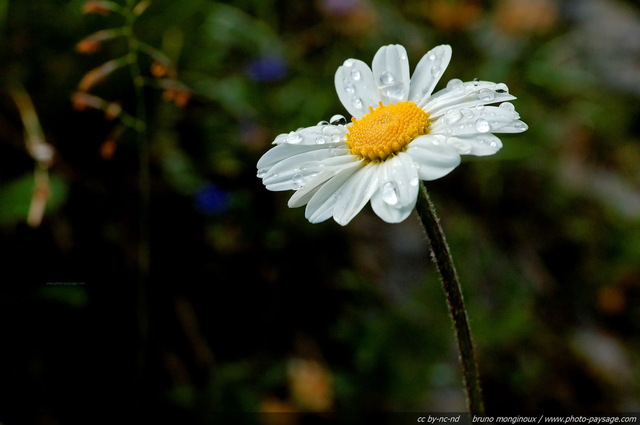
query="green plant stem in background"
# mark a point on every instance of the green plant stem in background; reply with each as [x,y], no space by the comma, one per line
[144,170]
[451,285]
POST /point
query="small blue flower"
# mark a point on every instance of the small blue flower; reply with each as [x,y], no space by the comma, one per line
[340,7]
[267,68]
[210,199]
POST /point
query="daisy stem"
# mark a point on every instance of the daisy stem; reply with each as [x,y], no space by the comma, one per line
[451,285]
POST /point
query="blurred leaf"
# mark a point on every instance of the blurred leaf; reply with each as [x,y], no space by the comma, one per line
[232,26]
[232,93]
[72,295]
[15,198]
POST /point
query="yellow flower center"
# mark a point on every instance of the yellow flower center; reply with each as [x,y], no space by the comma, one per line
[386,130]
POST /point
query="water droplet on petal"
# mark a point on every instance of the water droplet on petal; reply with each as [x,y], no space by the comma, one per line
[476,81]
[335,138]
[261,173]
[436,70]
[390,193]
[355,74]
[482,125]
[349,88]
[486,95]
[521,126]
[501,88]
[452,116]
[348,62]
[297,180]
[432,56]
[294,138]
[338,120]
[508,106]
[323,123]
[414,181]
[461,146]
[395,91]
[356,102]
[387,78]
[454,83]
[321,140]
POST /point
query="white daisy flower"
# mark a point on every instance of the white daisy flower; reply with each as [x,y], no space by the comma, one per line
[400,133]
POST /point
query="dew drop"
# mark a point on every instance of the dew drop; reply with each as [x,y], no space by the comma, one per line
[294,138]
[501,88]
[297,180]
[335,139]
[387,78]
[476,81]
[461,146]
[414,181]
[454,83]
[507,106]
[390,193]
[452,116]
[482,125]
[338,120]
[355,74]
[348,62]
[395,91]
[521,126]
[323,123]
[321,140]
[261,173]
[436,70]
[349,88]
[486,95]
[432,57]
[356,102]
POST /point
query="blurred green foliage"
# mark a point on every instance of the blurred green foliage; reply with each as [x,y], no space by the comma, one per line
[245,306]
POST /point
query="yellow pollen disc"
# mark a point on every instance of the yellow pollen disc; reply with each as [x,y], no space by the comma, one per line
[386,130]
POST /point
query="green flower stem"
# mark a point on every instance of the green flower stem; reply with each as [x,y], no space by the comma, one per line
[451,285]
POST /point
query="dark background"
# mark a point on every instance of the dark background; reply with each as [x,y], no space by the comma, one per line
[245,306]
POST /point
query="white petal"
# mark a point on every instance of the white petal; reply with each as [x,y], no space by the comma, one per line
[391,73]
[320,206]
[355,194]
[356,88]
[470,93]
[398,189]
[311,136]
[326,170]
[478,145]
[434,157]
[486,119]
[428,72]
[280,153]
[295,171]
